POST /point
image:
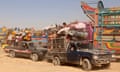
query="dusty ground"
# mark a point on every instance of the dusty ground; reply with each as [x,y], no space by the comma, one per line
[8,64]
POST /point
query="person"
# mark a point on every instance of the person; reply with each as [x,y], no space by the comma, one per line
[64,24]
[10,39]
[25,46]
[16,39]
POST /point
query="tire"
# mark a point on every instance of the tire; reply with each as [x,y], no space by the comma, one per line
[34,57]
[12,54]
[86,64]
[56,61]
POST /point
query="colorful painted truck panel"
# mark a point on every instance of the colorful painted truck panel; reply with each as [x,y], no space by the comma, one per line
[41,38]
[106,26]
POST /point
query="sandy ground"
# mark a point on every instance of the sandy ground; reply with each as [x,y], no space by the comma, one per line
[8,64]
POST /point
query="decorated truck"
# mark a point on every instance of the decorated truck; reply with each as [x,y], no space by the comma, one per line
[106,26]
[73,44]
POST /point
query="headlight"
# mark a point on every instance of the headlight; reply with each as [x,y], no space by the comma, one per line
[113,56]
[95,57]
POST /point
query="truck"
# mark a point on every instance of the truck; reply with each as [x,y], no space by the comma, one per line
[75,47]
[106,27]
[29,49]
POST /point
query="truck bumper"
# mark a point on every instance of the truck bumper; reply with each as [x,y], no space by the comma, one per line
[115,58]
[101,61]
[6,50]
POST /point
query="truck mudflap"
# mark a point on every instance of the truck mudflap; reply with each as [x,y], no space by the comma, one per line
[63,59]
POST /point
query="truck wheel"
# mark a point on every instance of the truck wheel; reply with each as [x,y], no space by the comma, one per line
[34,57]
[12,54]
[56,61]
[86,64]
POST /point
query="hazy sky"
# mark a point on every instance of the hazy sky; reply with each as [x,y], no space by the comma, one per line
[41,13]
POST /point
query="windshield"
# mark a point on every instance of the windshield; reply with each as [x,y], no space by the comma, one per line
[31,44]
[83,45]
[37,45]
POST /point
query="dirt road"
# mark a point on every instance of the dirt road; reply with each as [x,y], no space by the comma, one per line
[8,64]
